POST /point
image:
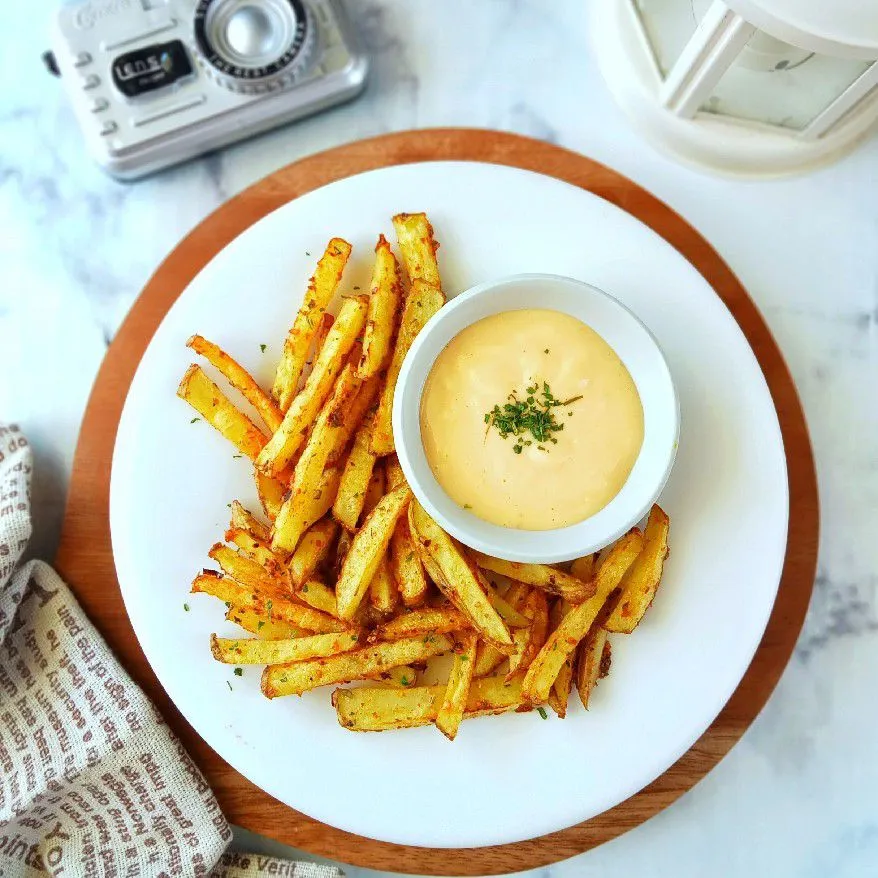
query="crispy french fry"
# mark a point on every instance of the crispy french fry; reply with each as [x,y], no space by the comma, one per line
[541,576]
[226,589]
[460,583]
[294,519]
[406,567]
[560,694]
[367,709]
[316,594]
[360,408]
[321,289]
[355,479]
[393,471]
[536,609]
[280,450]
[271,494]
[246,520]
[260,552]
[312,550]
[427,620]
[376,488]
[255,651]
[422,302]
[592,662]
[488,659]
[401,677]
[643,577]
[576,624]
[383,593]
[256,623]
[342,547]
[216,408]
[418,246]
[248,572]
[293,679]
[367,550]
[384,299]
[450,713]
[240,379]
[509,614]
[583,568]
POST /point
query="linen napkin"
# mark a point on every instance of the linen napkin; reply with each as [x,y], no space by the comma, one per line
[92,781]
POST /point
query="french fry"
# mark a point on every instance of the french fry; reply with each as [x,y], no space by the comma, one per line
[427,620]
[505,610]
[560,694]
[355,479]
[644,575]
[357,412]
[384,299]
[383,593]
[541,576]
[418,247]
[576,624]
[592,662]
[583,568]
[402,676]
[216,408]
[536,608]
[226,589]
[260,552]
[255,651]
[246,520]
[256,623]
[271,494]
[376,488]
[248,572]
[321,289]
[367,709]
[393,472]
[299,677]
[342,547]
[316,594]
[280,450]
[367,550]
[488,659]
[312,550]
[240,379]
[422,302]
[450,713]
[294,519]
[406,567]
[459,581]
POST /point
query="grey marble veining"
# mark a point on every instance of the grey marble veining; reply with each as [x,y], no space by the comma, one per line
[798,796]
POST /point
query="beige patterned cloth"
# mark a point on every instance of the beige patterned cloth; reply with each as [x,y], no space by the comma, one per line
[92,781]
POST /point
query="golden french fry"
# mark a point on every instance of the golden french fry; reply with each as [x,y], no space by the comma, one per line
[316,594]
[384,299]
[592,662]
[460,583]
[321,289]
[367,550]
[246,520]
[359,409]
[280,450]
[260,552]
[376,488]
[226,589]
[560,694]
[541,576]
[435,620]
[509,614]
[240,379]
[216,408]
[256,623]
[488,659]
[248,572]
[576,624]
[583,568]
[402,676]
[450,713]
[405,565]
[393,471]
[536,608]
[355,479]
[422,302]
[643,577]
[418,247]
[271,494]
[367,709]
[294,519]
[312,550]
[255,651]
[299,677]
[383,593]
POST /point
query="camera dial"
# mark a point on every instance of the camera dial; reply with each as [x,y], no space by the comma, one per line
[252,46]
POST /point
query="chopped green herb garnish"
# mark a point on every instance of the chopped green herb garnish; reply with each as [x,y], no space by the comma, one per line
[403,680]
[237,455]
[194,420]
[259,624]
[467,505]
[355,637]
[529,416]
[305,587]
[356,288]
[186,607]
[546,351]
[238,671]
[268,605]
[262,347]
[228,605]
[410,557]
[229,685]
[542,712]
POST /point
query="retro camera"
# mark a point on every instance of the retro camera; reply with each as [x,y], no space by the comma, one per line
[155,82]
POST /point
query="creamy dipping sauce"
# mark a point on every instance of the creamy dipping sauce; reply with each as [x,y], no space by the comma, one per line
[541,485]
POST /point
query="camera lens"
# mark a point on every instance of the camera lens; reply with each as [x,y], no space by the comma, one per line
[251,33]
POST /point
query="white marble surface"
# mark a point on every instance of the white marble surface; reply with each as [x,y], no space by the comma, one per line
[798,796]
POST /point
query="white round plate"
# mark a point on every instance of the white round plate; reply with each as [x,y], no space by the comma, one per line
[515,776]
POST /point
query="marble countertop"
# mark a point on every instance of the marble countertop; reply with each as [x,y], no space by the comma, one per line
[798,796]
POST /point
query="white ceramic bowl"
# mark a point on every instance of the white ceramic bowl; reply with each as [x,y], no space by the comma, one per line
[637,349]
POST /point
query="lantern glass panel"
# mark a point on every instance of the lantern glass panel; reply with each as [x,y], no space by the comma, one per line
[669,25]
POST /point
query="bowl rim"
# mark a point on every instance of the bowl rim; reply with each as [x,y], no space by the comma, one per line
[507,542]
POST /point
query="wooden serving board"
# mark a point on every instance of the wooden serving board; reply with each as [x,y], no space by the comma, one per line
[85,556]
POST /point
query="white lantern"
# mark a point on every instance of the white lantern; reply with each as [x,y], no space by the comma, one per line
[756,87]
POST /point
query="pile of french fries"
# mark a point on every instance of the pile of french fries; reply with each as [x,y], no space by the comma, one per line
[347,578]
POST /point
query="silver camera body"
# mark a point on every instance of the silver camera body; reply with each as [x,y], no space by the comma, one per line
[155,82]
